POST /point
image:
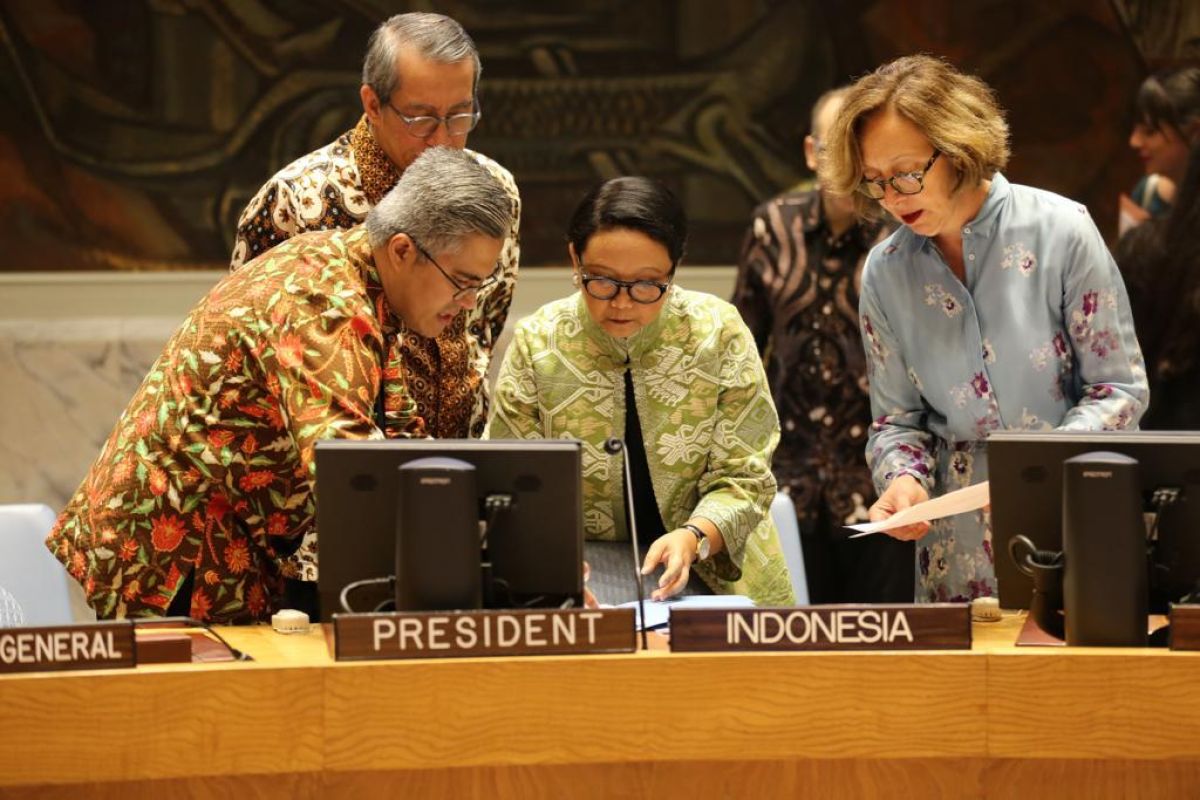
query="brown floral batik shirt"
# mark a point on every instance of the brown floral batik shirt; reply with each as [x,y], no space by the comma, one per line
[335,187]
[210,468]
[797,290]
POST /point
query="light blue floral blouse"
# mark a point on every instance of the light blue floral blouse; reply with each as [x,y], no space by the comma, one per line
[1039,337]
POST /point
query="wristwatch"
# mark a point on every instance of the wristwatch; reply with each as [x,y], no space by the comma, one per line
[702,544]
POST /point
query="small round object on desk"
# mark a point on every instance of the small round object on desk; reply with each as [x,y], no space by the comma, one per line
[289,620]
[985,609]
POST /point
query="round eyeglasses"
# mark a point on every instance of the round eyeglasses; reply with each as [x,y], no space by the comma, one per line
[901,182]
[422,127]
[645,292]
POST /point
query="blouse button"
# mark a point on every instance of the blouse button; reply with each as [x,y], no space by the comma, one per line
[971,257]
[967,231]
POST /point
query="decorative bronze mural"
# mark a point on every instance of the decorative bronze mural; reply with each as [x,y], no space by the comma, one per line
[134,131]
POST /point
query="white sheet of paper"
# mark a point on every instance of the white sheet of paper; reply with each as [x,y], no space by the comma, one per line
[658,611]
[956,502]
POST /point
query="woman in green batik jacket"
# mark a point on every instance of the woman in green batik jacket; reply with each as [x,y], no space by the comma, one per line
[703,427]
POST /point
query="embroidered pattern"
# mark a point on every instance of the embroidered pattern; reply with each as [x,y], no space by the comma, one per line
[1021,257]
[709,450]
[936,295]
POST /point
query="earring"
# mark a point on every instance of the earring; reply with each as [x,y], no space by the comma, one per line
[575,279]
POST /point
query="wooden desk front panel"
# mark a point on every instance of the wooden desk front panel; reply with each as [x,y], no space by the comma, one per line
[159,723]
[654,706]
[998,721]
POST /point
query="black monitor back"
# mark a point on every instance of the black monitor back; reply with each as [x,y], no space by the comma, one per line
[1025,476]
[536,546]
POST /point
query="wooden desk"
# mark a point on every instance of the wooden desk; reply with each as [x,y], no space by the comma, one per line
[998,721]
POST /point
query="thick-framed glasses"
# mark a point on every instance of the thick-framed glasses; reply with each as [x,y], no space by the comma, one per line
[424,126]
[645,292]
[901,182]
[460,291]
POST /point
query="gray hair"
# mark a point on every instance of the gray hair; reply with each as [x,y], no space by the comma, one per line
[838,93]
[442,197]
[434,37]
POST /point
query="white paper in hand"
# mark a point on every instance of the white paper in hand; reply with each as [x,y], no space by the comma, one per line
[957,502]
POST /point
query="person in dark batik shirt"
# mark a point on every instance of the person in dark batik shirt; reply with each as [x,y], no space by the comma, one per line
[419,90]
[797,288]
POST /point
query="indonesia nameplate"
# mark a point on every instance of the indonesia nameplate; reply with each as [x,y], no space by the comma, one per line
[933,626]
[463,634]
[98,645]
[1185,627]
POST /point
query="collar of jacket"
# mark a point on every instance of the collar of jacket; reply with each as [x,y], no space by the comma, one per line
[629,350]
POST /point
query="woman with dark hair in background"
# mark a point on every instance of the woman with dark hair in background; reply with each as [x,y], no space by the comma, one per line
[678,373]
[1161,264]
[1168,123]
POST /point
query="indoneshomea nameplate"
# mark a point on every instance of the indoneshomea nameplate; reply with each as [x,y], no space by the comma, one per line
[97,645]
[462,634]
[935,626]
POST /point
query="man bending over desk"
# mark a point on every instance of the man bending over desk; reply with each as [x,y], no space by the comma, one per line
[201,500]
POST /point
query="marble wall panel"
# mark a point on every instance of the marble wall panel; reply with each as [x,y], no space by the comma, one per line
[65,384]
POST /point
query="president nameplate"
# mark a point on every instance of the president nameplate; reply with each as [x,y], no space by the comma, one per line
[101,645]
[463,634]
[935,626]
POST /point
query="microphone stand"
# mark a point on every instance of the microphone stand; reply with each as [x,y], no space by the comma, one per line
[614,446]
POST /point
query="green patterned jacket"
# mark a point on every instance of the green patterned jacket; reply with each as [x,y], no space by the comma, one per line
[706,415]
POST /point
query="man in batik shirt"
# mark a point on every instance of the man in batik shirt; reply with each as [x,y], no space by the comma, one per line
[797,289]
[420,79]
[206,483]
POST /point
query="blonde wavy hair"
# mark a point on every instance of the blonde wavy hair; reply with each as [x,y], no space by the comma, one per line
[958,114]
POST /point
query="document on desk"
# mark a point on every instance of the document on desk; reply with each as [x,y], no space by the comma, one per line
[958,502]
[658,612]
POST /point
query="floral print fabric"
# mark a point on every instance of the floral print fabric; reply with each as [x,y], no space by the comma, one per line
[210,467]
[1040,336]
[706,416]
[335,187]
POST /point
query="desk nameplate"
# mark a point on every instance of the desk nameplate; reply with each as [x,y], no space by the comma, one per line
[98,645]
[932,626]
[1185,627]
[469,634]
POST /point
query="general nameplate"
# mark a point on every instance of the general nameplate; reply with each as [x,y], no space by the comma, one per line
[99,645]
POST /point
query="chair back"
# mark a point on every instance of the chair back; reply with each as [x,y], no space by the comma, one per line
[783,514]
[35,589]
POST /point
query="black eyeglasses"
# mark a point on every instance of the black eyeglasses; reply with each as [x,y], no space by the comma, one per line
[422,127]
[901,182]
[645,292]
[460,291]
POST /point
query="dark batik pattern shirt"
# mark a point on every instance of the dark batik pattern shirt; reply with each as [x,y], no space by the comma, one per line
[210,467]
[797,289]
[335,187]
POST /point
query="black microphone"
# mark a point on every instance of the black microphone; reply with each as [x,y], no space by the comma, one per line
[614,446]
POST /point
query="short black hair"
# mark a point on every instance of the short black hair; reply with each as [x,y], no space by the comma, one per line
[635,203]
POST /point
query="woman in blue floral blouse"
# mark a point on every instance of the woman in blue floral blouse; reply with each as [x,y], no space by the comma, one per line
[994,306]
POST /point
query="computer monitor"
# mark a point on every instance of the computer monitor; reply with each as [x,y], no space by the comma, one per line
[1025,475]
[535,546]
